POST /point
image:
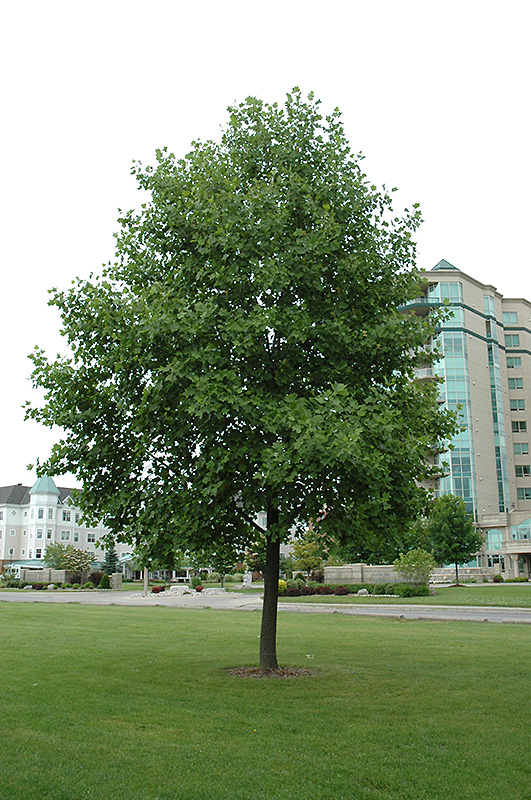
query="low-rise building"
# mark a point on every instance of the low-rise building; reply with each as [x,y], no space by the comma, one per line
[33,518]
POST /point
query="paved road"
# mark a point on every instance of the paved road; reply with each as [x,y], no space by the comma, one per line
[253,602]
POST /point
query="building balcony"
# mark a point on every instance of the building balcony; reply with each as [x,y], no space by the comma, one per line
[421,305]
[517,546]
[425,373]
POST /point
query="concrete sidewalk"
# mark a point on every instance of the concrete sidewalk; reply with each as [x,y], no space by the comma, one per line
[253,602]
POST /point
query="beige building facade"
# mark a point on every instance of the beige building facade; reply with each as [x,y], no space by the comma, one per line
[32,518]
[486,366]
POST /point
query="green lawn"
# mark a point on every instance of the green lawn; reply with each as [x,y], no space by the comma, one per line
[114,702]
[517,595]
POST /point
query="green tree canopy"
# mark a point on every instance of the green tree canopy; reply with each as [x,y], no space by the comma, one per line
[246,351]
[452,534]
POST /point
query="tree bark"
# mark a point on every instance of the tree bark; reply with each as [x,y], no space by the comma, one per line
[456,574]
[268,633]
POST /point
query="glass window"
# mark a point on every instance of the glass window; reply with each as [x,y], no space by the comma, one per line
[521,448]
[488,303]
[523,470]
[91,537]
[494,540]
[517,405]
[40,513]
[12,533]
[522,531]
[514,362]
[1,515]
[516,383]
[48,534]
[66,515]
[50,513]
[65,536]
[76,536]
[38,553]
[512,340]
[510,318]
[524,494]
[518,426]
[39,533]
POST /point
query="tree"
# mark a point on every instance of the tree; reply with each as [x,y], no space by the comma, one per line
[415,566]
[78,561]
[307,554]
[55,555]
[246,352]
[453,536]
[111,560]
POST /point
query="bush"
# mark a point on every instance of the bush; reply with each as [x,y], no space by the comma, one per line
[67,585]
[295,584]
[325,589]
[497,579]
[300,577]
[199,588]
[282,586]
[105,582]
[75,586]
[318,576]
[214,577]
[411,590]
[520,579]
[308,590]
[292,591]
[341,591]
[38,586]
[88,585]
[157,589]
[95,578]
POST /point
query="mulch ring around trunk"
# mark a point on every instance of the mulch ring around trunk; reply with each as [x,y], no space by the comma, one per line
[281,672]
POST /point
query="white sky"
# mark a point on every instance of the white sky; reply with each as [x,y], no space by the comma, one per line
[436,95]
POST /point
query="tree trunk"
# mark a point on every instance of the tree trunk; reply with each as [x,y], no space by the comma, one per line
[456,574]
[268,633]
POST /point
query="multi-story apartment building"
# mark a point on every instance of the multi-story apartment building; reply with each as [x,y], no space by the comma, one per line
[32,518]
[486,365]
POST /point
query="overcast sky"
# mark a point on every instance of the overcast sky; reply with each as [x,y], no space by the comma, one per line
[436,96]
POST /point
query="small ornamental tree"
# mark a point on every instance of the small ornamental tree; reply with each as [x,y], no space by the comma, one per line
[452,534]
[111,561]
[78,561]
[247,353]
[307,554]
[55,555]
[415,567]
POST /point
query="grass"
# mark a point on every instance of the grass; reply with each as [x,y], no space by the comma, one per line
[117,702]
[516,595]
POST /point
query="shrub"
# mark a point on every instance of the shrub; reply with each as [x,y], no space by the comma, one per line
[318,576]
[497,579]
[300,577]
[88,585]
[341,591]
[307,590]
[214,577]
[38,586]
[105,582]
[199,588]
[75,586]
[157,589]
[520,579]
[410,590]
[325,589]
[292,591]
[67,585]
[282,586]
[95,578]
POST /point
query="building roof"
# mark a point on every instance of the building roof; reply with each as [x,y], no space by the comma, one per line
[44,485]
[18,495]
[443,264]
